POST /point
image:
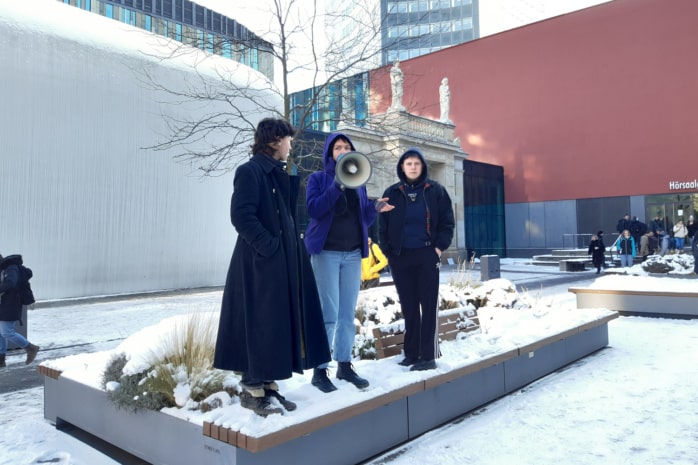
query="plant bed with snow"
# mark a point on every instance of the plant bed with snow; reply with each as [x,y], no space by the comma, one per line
[514,347]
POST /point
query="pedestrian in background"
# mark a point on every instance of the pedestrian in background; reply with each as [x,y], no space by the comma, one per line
[692,228]
[647,245]
[11,309]
[680,232]
[372,265]
[694,249]
[626,249]
[413,237]
[597,250]
[663,240]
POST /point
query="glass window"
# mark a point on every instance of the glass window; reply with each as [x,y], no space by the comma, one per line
[188,16]
[178,14]
[209,42]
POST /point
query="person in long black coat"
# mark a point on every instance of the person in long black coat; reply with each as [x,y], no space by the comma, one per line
[597,250]
[271,320]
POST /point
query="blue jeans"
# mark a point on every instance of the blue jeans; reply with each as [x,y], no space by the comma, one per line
[680,241]
[7,333]
[626,260]
[338,277]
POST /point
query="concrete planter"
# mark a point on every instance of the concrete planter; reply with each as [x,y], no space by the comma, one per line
[375,425]
[643,303]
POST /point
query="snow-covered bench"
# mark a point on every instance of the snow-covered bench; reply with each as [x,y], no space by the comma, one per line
[384,418]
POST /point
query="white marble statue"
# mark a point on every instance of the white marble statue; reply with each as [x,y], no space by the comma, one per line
[444,100]
[396,78]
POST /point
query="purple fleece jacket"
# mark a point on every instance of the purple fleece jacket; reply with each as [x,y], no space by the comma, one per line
[322,193]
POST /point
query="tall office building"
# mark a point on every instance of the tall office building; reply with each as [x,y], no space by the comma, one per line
[400,29]
[416,27]
[191,24]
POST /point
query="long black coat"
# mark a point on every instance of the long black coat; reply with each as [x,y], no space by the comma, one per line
[597,251]
[271,320]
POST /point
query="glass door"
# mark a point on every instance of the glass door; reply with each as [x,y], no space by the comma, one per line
[670,208]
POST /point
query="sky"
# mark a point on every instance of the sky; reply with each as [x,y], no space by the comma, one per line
[633,402]
[495,16]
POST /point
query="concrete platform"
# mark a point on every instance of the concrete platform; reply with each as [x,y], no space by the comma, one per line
[639,303]
[375,425]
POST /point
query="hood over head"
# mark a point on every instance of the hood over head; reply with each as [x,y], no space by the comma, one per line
[327,160]
[411,152]
[10,260]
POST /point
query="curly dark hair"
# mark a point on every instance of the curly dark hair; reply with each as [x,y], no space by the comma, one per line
[270,130]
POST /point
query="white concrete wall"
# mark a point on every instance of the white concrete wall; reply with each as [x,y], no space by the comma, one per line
[91,211]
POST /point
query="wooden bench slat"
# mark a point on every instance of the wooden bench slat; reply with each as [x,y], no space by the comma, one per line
[451,323]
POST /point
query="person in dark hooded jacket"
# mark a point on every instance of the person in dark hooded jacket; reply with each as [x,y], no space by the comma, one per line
[413,236]
[271,320]
[337,239]
[11,309]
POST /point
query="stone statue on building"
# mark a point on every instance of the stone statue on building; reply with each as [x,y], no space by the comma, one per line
[444,100]
[396,78]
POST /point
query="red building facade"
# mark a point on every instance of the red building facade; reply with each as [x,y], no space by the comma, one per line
[590,114]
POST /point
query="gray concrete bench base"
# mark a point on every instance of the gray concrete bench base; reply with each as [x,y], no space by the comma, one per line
[642,303]
[376,427]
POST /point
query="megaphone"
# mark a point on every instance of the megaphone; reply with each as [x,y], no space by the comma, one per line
[353,170]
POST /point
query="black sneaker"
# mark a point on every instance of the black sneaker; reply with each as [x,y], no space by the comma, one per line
[347,372]
[322,381]
[259,405]
[407,361]
[423,365]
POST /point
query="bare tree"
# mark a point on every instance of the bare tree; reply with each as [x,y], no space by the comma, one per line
[299,44]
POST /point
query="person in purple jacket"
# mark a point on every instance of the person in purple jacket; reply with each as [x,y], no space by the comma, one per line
[337,239]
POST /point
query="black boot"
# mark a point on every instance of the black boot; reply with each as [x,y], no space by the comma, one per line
[408,361]
[322,381]
[272,390]
[258,401]
[32,350]
[346,372]
[423,365]
[2,361]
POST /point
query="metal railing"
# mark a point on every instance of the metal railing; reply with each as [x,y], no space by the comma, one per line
[576,241]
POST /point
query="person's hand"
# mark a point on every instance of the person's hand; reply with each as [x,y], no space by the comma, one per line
[438,251]
[383,206]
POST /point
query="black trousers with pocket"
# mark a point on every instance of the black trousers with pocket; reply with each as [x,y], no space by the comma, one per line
[416,276]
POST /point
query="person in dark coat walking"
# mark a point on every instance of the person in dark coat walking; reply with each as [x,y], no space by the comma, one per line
[11,309]
[413,236]
[597,250]
[271,320]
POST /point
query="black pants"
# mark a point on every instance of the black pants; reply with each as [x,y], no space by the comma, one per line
[416,277]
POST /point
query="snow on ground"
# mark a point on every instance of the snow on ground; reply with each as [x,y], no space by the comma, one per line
[634,402]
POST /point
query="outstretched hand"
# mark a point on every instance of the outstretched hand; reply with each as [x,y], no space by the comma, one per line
[383,206]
